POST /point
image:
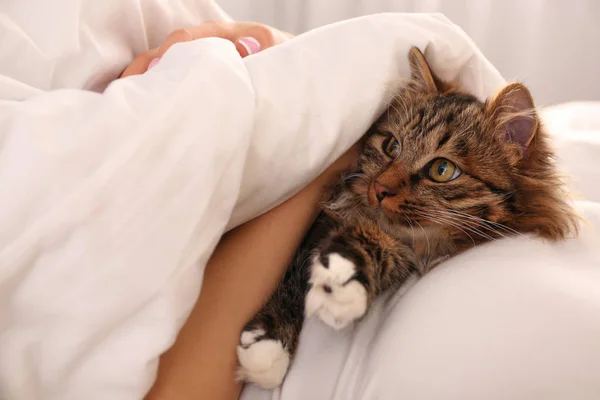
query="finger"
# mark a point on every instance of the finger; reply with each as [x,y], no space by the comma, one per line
[140,63]
[247,46]
[251,38]
[232,31]
[178,36]
[248,37]
[220,29]
[252,32]
[148,59]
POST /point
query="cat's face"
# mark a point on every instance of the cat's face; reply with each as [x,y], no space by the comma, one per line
[432,159]
[439,157]
[441,160]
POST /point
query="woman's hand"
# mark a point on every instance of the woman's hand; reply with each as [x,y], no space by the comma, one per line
[248,37]
[241,275]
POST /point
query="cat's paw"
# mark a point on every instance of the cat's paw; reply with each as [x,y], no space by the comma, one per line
[335,296]
[262,361]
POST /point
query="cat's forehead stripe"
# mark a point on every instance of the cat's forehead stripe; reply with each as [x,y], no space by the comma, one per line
[444,101]
[444,139]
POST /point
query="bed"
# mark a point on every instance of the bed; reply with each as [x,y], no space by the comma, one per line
[111,202]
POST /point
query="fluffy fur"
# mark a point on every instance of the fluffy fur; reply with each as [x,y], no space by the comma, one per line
[439,173]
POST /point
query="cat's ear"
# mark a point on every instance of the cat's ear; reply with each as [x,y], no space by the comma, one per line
[513,113]
[421,75]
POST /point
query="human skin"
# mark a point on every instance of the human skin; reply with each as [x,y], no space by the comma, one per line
[265,35]
[240,276]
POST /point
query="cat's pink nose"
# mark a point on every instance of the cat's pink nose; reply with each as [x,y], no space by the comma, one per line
[382,191]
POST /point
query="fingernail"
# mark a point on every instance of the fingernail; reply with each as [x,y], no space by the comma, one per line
[250,44]
[153,63]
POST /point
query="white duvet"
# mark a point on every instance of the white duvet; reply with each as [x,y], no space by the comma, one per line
[112,199]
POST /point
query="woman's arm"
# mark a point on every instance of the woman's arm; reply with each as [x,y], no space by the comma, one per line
[242,273]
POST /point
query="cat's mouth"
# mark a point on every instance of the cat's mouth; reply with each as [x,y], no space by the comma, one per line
[394,212]
[391,208]
[386,204]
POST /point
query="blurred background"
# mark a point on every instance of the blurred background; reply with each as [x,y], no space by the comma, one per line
[553,46]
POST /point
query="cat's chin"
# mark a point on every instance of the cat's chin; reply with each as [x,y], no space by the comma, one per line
[387,218]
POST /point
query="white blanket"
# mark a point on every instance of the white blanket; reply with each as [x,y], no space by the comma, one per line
[112,200]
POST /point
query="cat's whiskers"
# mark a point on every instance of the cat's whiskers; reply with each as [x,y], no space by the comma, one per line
[426,237]
[464,224]
[482,223]
[457,223]
[468,222]
[412,228]
[355,175]
[442,222]
[486,222]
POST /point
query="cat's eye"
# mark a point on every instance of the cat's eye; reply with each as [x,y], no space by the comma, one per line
[391,147]
[443,170]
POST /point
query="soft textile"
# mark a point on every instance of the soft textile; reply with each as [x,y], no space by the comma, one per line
[112,198]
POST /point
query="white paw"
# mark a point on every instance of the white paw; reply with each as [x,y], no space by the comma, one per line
[264,362]
[335,298]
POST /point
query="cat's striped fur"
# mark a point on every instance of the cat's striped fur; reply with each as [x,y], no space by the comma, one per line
[389,218]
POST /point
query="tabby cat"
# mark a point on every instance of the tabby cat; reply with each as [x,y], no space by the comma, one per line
[439,173]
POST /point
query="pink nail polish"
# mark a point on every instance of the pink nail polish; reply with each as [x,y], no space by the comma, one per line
[153,63]
[250,44]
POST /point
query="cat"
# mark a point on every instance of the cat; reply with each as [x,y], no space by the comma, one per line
[439,173]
